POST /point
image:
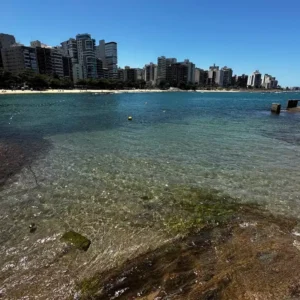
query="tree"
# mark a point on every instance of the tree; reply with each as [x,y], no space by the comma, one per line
[38,82]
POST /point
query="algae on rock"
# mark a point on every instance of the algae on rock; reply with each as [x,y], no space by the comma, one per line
[76,240]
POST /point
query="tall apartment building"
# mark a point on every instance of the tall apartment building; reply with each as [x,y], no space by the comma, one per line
[57,63]
[130,74]
[19,58]
[203,77]
[212,75]
[150,73]
[67,67]
[269,82]
[44,60]
[227,76]
[197,76]
[100,52]
[254,80]
[69,49]
[111,59]
[86,55]
[162,63]
[121,74]
[241,81]
[50,60]
[101,71]
[177,73]
[139,74]
[6,40]
[191,71]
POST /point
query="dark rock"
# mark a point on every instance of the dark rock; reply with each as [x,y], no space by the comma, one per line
[76,240]
[32,228]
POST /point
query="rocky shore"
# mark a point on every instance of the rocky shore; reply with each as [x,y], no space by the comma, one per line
[254,255]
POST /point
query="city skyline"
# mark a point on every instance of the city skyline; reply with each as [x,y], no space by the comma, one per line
[80,58]
[245,37]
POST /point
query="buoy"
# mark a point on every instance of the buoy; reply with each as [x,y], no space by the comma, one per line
[129,118]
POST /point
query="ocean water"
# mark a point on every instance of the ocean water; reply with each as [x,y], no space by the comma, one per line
[74,161]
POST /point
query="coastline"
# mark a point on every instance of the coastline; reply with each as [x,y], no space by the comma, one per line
[78,91]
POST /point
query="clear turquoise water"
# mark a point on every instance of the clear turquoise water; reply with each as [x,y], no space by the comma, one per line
[93,166]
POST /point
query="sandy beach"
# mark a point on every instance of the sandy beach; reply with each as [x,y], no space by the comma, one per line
[77,91]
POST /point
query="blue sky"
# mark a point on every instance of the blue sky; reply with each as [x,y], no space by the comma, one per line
[244,35]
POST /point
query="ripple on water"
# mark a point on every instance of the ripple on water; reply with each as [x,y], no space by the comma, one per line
[117,183]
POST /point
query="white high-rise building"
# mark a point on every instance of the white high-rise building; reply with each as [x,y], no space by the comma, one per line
[254,80]
[269,82]
[219,80]
[197,75]
[86,55]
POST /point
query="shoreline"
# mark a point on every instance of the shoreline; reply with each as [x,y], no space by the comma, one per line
[78,91]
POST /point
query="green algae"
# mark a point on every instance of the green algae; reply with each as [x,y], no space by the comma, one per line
[76,240]
[195,208]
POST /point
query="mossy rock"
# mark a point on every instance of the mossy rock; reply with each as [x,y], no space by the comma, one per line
[76,240]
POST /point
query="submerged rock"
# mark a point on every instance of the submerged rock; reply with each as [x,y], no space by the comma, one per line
[76,240]
[222,262]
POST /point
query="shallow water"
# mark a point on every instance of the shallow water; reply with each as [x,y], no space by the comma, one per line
[86,167]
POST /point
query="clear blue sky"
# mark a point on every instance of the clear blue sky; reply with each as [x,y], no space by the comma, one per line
[244,35]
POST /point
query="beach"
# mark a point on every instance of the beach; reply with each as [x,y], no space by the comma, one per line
[76,91]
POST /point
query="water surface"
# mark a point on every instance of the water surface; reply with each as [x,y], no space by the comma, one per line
[76,162]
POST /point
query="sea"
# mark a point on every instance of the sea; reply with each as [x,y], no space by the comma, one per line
[75,162]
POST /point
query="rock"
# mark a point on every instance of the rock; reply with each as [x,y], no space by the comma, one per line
[76,240]
[32,228]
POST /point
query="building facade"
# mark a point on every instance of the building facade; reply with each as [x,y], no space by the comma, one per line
[101,71]
[177,73]
[57,63]
[254,80]
[162,63]
[6,40]
[269,82]
[44,60]
[100,52]
[18,59]
[150,73]
[86,55]
[111,59]
[227,76]
[212,75]
[67,67]
[191,71]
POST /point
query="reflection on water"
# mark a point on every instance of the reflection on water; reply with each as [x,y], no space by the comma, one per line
[114,180]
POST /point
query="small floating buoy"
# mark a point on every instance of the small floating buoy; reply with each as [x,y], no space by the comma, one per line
[129,118]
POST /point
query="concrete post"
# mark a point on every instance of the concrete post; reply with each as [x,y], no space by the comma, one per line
[275,108]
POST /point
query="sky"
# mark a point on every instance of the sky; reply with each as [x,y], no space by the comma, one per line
[244,35]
